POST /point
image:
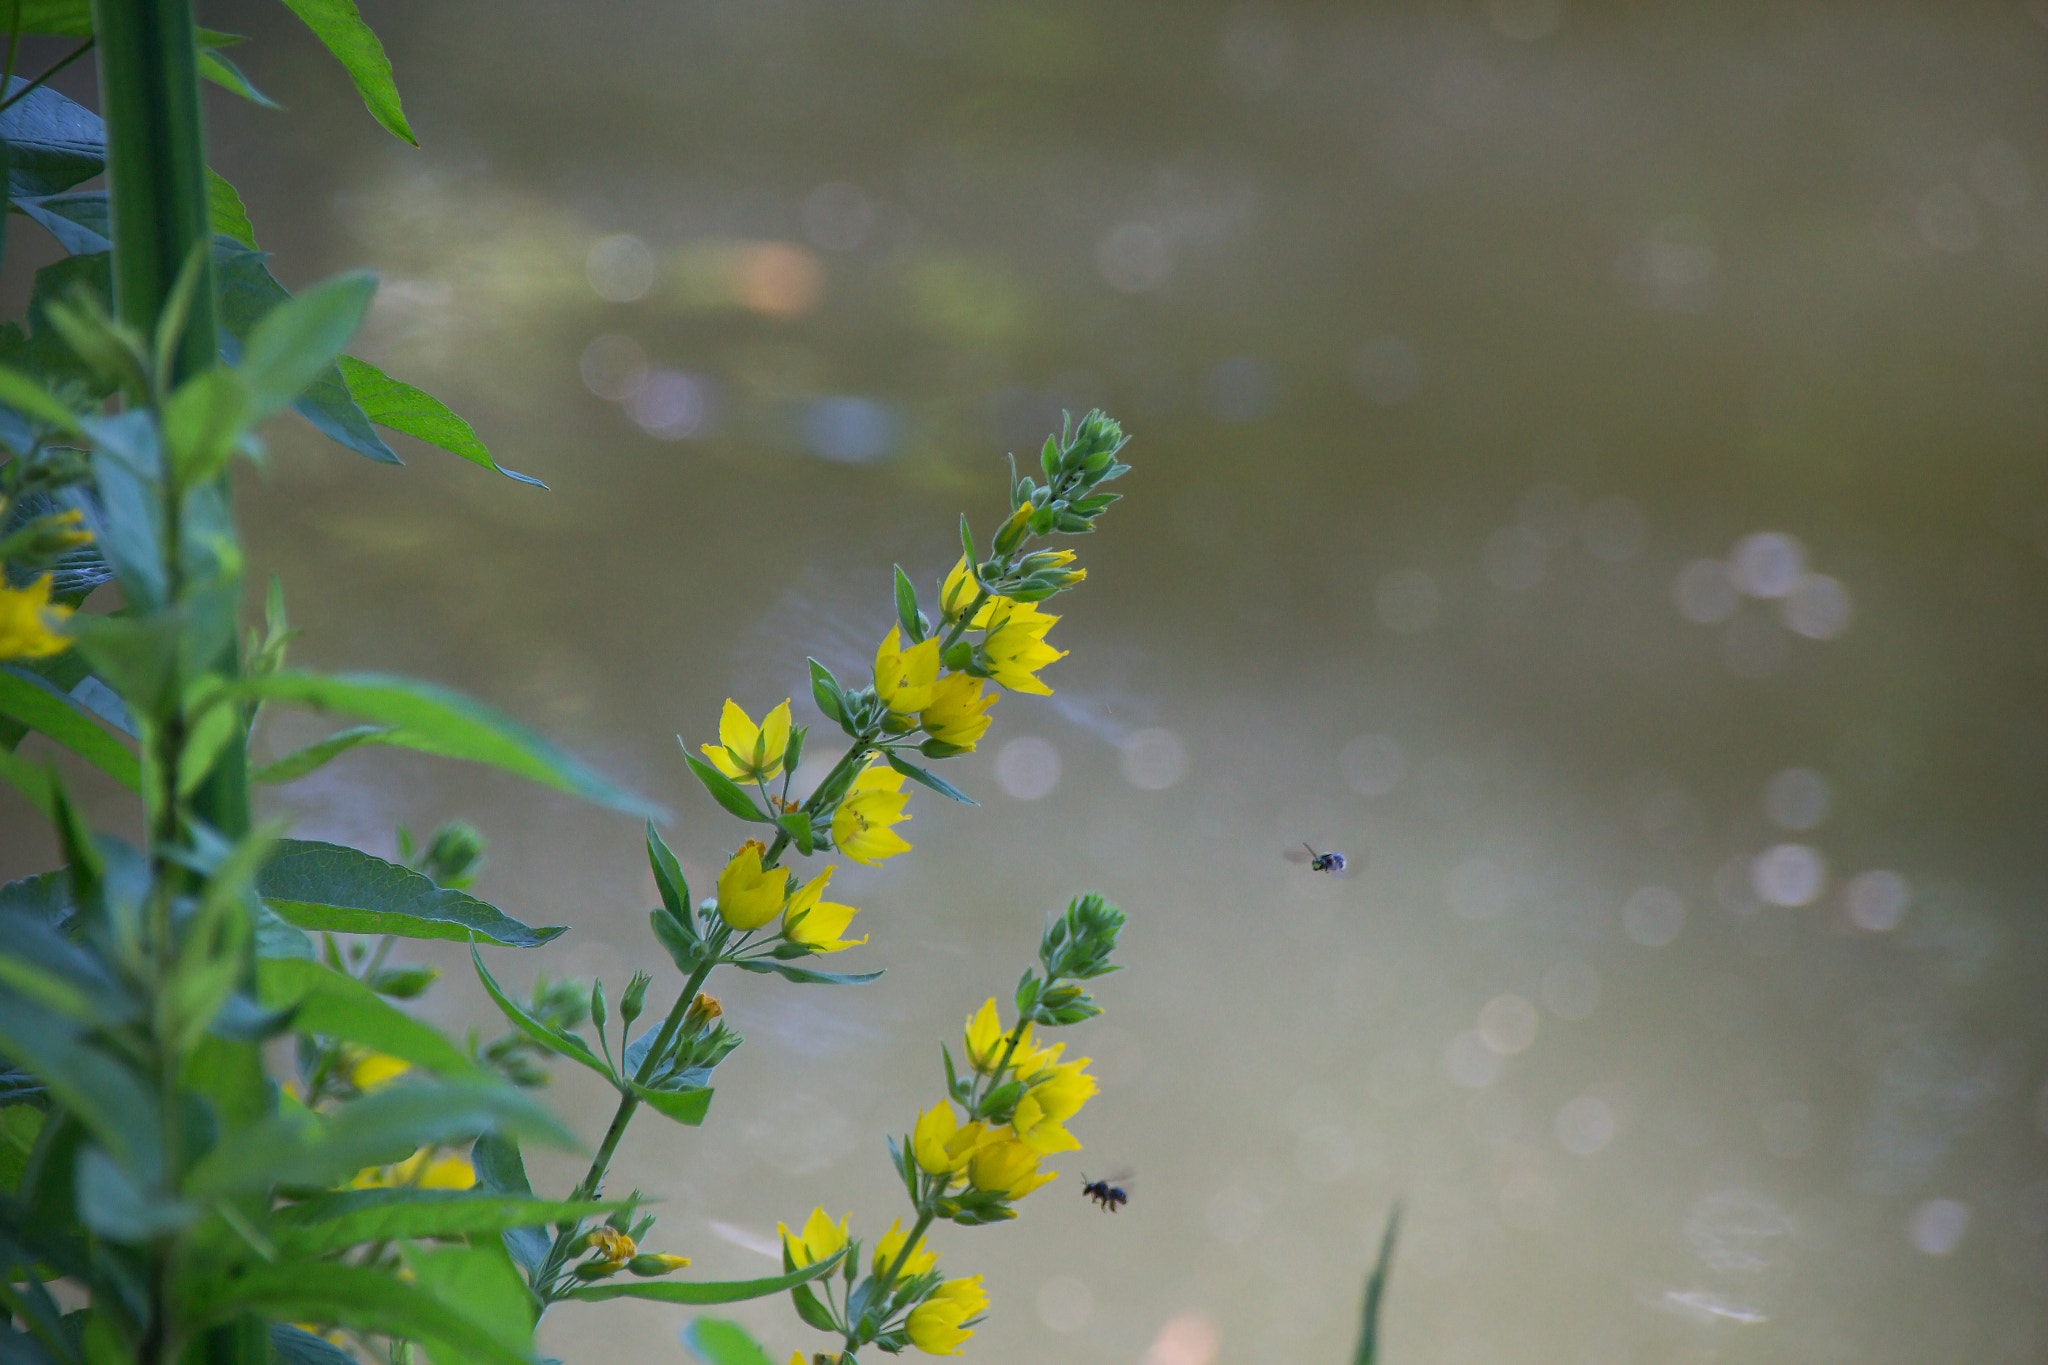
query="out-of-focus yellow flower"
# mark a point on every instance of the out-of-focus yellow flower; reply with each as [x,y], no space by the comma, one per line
[27,621]
[750,895]
[1007,1165]
[613,1248]
[861,825]
[1054,1098]
[746,752]
[958,713]
[904,677]
[958,593]
[821,1238]
[422,1170]
[702,1011]
[987,1039]
[373,1070]
[817,922]
[1015,649]
[940,1144]
[891,1242]
[936,1326]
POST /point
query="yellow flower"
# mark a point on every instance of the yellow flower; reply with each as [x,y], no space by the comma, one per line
[959,590]
[904,677]
[750,895]
[1007,1165]
[613,1248]
[26,618]
[861,826]
[818,922]
[936,1326]
[940,1144]
[372,1070]
[1049,1103]
[958,713]
[746,752]
[821,1238]
[1014,649]
[422,1170]
[891,1242]
[656,1263]
[987,1038]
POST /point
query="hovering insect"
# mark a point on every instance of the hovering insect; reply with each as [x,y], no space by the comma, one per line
[1107,1193]
[1333,863]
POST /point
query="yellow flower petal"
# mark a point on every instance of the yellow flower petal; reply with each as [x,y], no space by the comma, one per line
[750,895]
[27,621]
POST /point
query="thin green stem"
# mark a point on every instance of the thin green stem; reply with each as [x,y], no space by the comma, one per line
[812,805]
[36,84]
[927,1210]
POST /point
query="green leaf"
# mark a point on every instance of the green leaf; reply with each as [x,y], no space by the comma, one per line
[203,420]
[718,1342]
[225,213]
[316,755]
[797,824]
[932,780]
[437,721]
[33,702]
[686,1106]
[53,142]
[722,788]
[825,690]
[337,24]
[713,1291]
[906,609]
[228,76]
[349,1218]
[296,1346]
[333,887]
[417,413]
[803,976]
[814,1313]
[558,1041]
[364,1298]
[116,1108]
[337,1004]
[480,1279]
[668,876]
[18,390]
[301,1148]
[31,781]
[285,352]
[1375,1290]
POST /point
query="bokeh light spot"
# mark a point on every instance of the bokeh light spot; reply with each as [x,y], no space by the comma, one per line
[1469,1062]
[620,268]
[1767,564]
[850,430]
[1153,759]
[613,367]
[1704,592]
[1186,1339]
[1937,1226]
[1876,901]
[1818,608]
[1028,768]
[1585,1125]
[671,404]
[1789,874]
[1507,1024]
[1653,916]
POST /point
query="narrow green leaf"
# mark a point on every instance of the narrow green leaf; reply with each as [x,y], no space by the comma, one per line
[803,976]
[414,412]
[713,1291]
[225,213]
[337,1004]
[228,76]
[20,391]
[202,422]
[906,608]
[557,1041]
[364,1298]
[298,763]
[722,788]
[668,876]
[295,341]
[32,781]
[686,1106]
[116,1108]
[1375,1291]
[480,1281]
[349,1218]
[337,24]
[718,1342]
[932,780]
[437,721]
[31,701]
[825,690]
[344,890]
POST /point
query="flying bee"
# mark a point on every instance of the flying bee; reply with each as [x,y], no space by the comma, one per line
[1333,863]
[1108,1193]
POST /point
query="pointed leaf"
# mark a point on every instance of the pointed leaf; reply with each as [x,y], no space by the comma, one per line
[722,788]
[558,1041]
[32,701]
[417,413]
[797,824]
[228,76]
[298,339]
[803,975]
[337,1004]
[344,890]
[716,1291]
[929,779]
[364,1298]
[53,142]
[686,1106]
[480,1281]
[825,690]
[437,721]
[668,876]
[718,1342]
[339,26]
[225,213]
[318,754]
[349,1218]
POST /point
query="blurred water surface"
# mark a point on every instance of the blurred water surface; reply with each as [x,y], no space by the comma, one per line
[1589,470]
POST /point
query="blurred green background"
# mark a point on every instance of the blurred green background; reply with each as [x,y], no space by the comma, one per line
[1588,469]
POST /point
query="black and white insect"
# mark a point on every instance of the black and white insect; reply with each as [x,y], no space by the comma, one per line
[1108,1193]
[1332,863]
